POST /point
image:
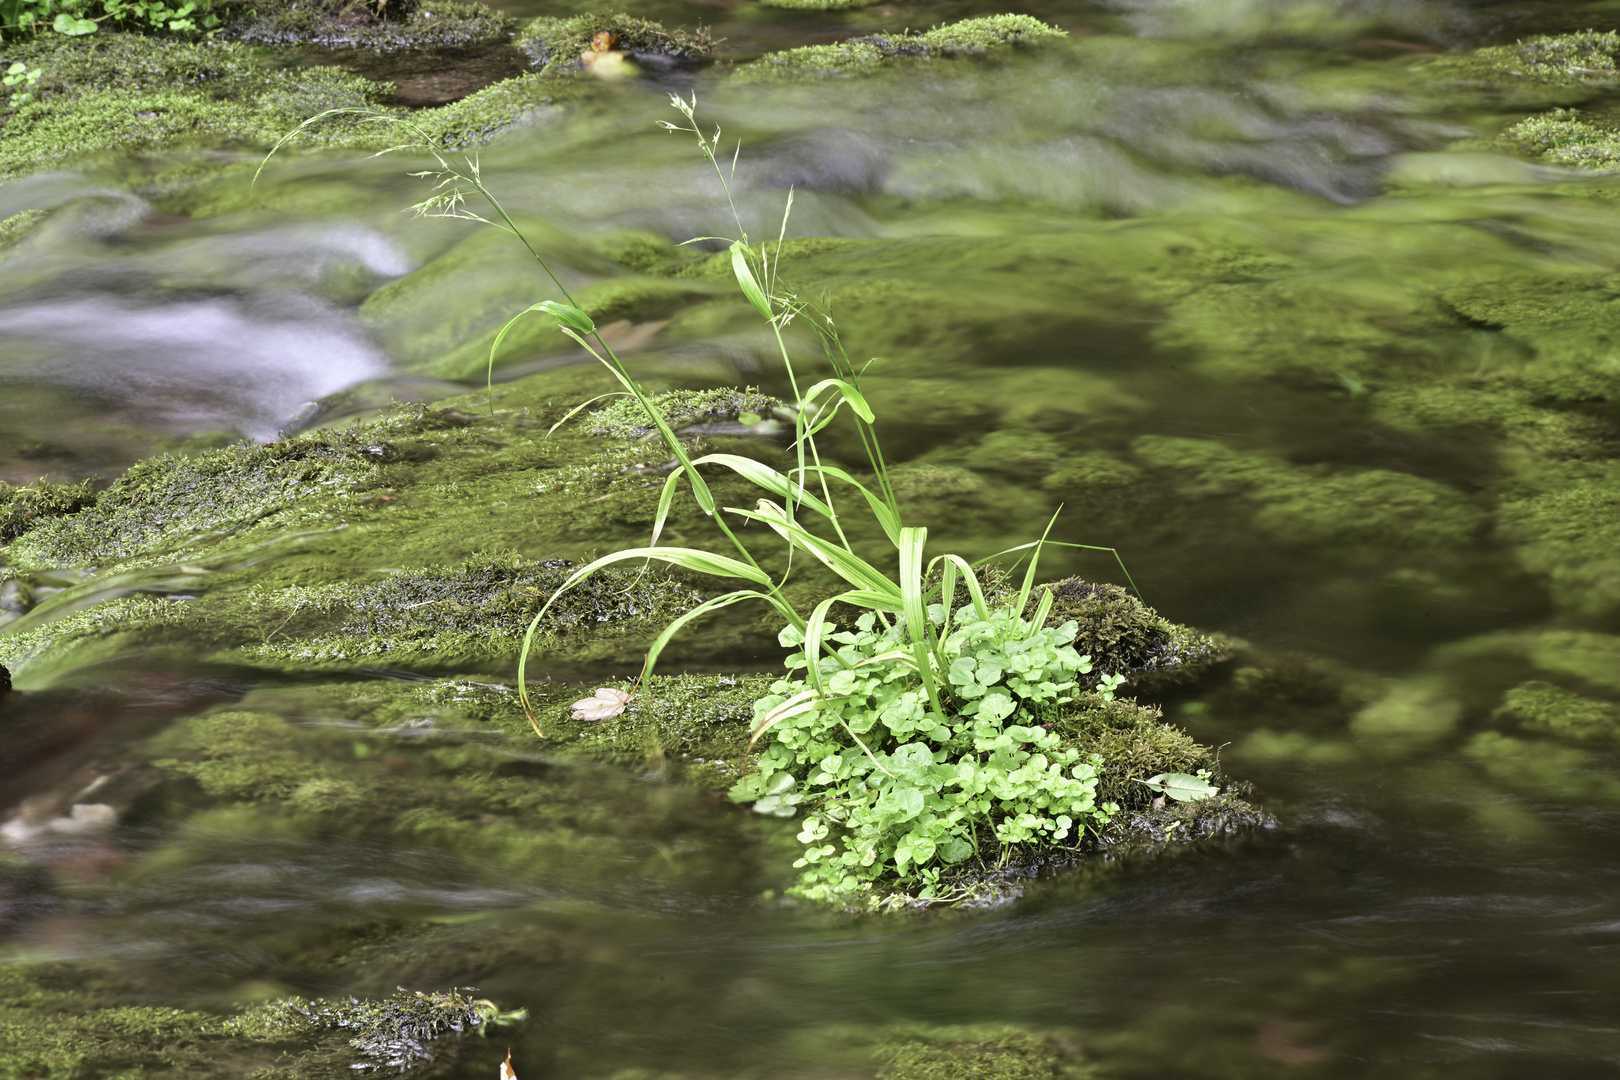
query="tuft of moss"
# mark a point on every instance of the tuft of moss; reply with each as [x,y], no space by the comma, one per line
[863,55]
[1567,137]
[977,36]
[979,1052]
[682,409]
[21,508]
[554,44]
[1122,635]
[393,1034]
[1570,536]
[19,225]
[1541,706]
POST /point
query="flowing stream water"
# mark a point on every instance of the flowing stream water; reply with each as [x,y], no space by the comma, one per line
[1209,224]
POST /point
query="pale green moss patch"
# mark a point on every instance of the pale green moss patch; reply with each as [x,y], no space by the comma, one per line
[1541,706]
[864,55]
[1571,537]
[624,418]
[116,93]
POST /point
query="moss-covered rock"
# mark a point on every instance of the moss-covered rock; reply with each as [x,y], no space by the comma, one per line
[554,44]
[1570,535]
[114,93]
[23,507]
[865,55]
[378,26]
[1544,707]
[1126,637]
[67,1020]
[1544,60]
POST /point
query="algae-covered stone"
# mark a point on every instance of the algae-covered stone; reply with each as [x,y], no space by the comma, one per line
[864,55]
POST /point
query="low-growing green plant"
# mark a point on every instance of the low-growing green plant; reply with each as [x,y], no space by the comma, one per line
[75,18]
[916,739]
[19,74]
[894,787]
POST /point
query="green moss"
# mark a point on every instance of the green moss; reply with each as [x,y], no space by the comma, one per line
[499,108]
[167,503]
[115,93]
[21,508]
[1566,137]
[1512,417]
[1541,706]
[1122,635]
[1542,769]
[864,55]
[402,1031]
[53,1030]
[73,1021]
[817,5]
[974,36]
[1409,715]
[1576,60]
[555,43]
[984,1052]
[1135,743]
[1317,505]
[17,226]
[624,418]
[468,616]
[1571,537]
[347,24]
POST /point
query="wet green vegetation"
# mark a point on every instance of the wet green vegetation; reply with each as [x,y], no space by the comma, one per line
[1411,391]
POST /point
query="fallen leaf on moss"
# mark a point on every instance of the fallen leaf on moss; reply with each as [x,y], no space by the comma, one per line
[605,704]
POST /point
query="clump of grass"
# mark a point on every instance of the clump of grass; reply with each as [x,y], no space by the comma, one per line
[950,700]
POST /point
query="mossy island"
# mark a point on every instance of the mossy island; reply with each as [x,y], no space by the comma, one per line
[259,695]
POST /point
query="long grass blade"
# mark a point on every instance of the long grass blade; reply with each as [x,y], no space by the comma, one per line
[1034,560]
[698,612]
[747,282]
[763,475]
[666,499]
[852,568]
[851,394]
